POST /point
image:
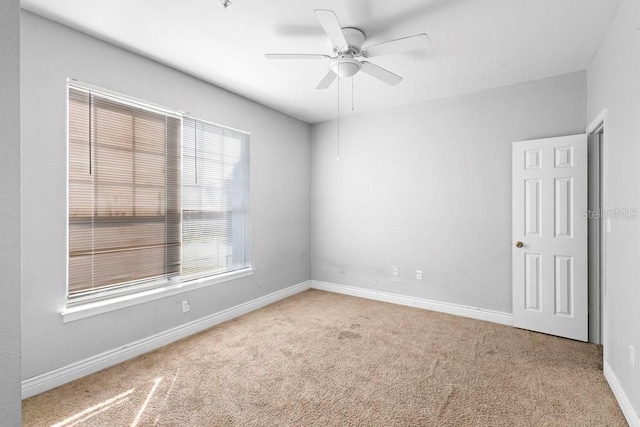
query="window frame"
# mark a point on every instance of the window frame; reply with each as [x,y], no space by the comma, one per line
[118,296]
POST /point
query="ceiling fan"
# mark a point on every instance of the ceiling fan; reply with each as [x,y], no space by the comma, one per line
[347,46]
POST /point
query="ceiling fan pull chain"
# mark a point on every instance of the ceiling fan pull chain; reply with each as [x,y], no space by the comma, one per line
[338,112]
[352,79]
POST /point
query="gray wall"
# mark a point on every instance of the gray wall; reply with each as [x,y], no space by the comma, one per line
[614,83]
[10,407]
[429,187]
[280,193]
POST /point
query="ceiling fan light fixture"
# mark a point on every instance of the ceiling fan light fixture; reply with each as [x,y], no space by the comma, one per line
[345,67]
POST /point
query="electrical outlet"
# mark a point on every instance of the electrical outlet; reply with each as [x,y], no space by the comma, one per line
[185,306]
[632,356]
[396,271]
[419,274]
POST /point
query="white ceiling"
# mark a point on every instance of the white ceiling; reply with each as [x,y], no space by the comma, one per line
[475,44]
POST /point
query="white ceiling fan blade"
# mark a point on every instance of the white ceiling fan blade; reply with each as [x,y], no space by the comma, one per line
[327,80]
[419,41]
[380,73]
[295,56]
[332,27]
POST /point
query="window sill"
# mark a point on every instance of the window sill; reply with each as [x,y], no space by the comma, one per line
[82,311]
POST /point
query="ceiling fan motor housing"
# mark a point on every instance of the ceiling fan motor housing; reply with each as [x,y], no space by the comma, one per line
[354,38]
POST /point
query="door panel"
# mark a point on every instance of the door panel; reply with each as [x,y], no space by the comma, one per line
[550,267]
[533,219]
[563,207]
[532,281]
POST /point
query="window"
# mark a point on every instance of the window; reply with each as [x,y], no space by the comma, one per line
[215,199]
[154,198]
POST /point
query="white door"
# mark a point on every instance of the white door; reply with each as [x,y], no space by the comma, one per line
[550,236]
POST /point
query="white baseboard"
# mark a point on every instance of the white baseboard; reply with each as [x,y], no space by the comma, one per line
[58,377]
[443,307]
[625,404]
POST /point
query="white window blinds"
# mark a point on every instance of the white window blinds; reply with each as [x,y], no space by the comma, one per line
[215,199]
[124,193]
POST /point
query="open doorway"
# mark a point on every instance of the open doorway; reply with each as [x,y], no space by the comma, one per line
[598,224]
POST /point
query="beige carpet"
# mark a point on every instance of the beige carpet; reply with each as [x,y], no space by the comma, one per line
[321,359]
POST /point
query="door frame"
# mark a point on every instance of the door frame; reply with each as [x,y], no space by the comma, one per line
[596,127]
